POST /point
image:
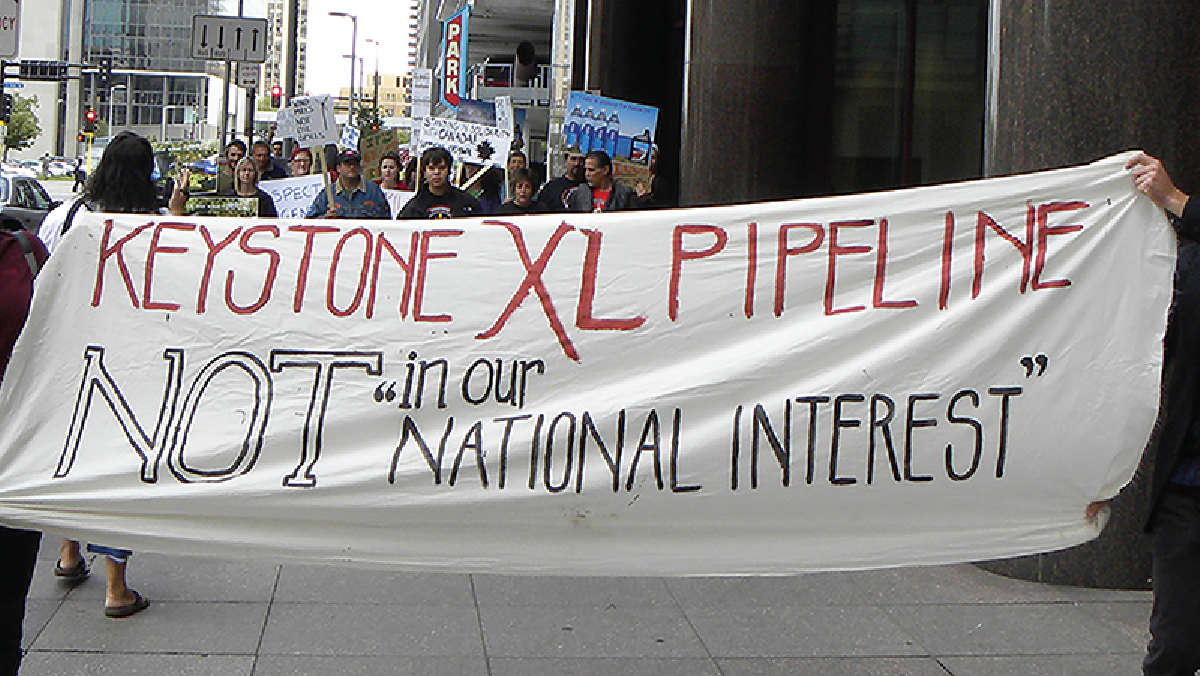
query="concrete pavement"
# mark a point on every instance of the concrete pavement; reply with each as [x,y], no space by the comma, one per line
[258,618]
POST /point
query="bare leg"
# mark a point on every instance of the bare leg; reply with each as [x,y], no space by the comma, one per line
[116,591]
[68,554]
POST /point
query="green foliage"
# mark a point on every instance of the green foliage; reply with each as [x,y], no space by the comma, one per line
[368,115]
[22,125]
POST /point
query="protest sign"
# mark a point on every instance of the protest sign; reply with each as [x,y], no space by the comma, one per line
[622,129]
[293,196]
[397,199]
[309,120]
[914,377]
[372,145]
[466,142]
[209,205]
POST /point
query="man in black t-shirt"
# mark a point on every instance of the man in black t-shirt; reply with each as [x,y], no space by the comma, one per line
[437,198]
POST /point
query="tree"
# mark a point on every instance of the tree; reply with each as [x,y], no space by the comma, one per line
[22,124]
[368,117]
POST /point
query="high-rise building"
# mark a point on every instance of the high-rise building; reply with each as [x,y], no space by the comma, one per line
[277,19]
[157,88]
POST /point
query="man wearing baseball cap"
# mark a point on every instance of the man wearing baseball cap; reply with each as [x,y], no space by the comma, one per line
[352,196]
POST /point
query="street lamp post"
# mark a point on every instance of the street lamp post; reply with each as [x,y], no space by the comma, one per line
[353,55]
[375,94]
[111,91]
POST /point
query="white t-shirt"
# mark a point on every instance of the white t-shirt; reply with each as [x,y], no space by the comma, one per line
[52,225]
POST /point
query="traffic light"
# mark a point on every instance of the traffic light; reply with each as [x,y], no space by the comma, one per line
[89,121]
[105,79]
[374,127]
[276,96]
[81,138]
[5,107]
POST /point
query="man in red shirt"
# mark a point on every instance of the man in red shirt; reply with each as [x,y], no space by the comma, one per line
[599,192]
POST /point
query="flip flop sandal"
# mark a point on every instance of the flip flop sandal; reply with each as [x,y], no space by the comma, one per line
[138,604]
[75,574]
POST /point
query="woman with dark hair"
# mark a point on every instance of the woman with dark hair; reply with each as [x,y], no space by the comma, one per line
[121,183]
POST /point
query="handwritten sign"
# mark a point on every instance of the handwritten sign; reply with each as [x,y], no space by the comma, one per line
[924,376]
[466,142]
[309,120]
[293,196]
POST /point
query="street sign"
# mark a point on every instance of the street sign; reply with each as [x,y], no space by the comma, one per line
[248,75]
[14,85]
[229,38]
[8,28]
[46,71]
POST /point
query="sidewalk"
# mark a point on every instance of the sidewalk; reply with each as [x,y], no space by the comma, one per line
[227,618]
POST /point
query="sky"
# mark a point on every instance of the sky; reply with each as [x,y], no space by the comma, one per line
[386,21]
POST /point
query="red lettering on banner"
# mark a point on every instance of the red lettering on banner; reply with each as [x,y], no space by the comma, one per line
[364,269]
[1044,231]
[423,266]
[587,293]
[302,275]
[751,266]
[155,249]
[679,255]
[213,250]
[783,251]
[836,250]
[533,281]
[381,242]
[107,252]
[268,283]
[1025,248]
[881,251]
[947,254]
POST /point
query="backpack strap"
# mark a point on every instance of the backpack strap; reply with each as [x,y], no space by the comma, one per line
[70,216]
[22,238]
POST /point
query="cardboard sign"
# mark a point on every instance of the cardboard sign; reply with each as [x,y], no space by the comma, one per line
[293,196]
[924,376]
[466,142]
[309,120]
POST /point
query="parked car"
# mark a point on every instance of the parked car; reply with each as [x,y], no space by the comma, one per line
[24,203]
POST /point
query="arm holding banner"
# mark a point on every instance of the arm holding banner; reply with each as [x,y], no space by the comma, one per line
[1152,180]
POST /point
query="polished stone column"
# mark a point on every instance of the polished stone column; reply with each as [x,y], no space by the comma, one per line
[1077,80]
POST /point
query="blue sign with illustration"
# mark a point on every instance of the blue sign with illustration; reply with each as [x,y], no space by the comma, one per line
[622,129]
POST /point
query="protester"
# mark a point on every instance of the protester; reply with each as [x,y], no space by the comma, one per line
[247,175]
[267,171]
[521,188]
[489,190]
[21,254]
[121,184]
[437,198]
[1175,490]
[410,173]
[301,162]
[389,172]
[516,160]
[352,196]
[553,196]
[650,193]
[600,193]
[235,150]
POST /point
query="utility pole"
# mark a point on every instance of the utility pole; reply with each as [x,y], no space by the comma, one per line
[225,97]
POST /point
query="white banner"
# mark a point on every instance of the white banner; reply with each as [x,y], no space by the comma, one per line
[293,196]
[466,142]
[915,377]
[397,199]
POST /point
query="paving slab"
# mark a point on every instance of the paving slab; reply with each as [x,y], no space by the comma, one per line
[312,665]
[602,666]
[164,627]
[1044,665]
[331,584]
[589,632]
[803,631]
[372,630]
[841,666]
[119,664]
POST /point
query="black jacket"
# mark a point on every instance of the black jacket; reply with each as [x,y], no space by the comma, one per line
[553,196]
[622,198]
[454,204]
[1181,372]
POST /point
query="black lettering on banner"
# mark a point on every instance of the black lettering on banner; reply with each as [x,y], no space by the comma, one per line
[736,451]
[783,449]
[963,420]
[1005,393]
[649,430]
[425,366]
[587,428]
[466,382]
[811,461]
[840,423]
[473,439]
[409,430]
[547,468]
[912,423]
[676,422]
[883,424]
[323,365]
[97,378]
[508,425]
[533,451]
[256,427]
